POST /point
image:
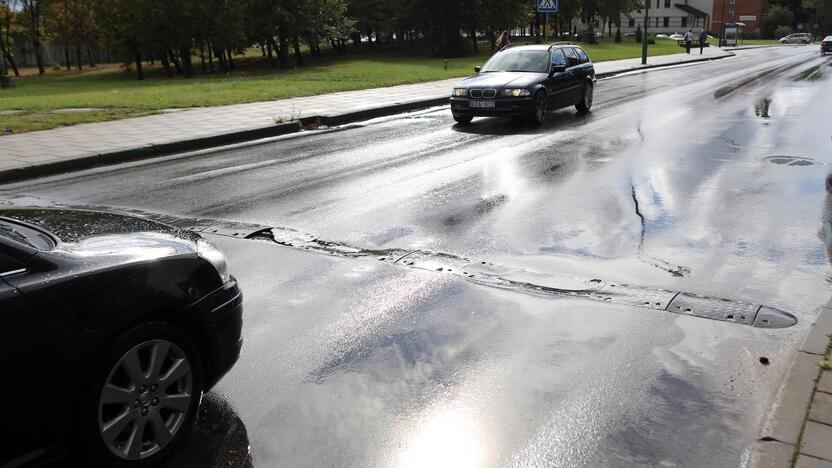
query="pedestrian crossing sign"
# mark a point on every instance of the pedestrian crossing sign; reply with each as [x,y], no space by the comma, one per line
[547,6]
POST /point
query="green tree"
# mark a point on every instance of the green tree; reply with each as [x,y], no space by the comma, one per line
[7,23]
[33,21]
[776,15]
[821,14]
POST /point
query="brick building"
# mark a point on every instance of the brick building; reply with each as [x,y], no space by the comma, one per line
[748,12]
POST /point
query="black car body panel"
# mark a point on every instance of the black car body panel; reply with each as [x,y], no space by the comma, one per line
[105,274]
[563,87]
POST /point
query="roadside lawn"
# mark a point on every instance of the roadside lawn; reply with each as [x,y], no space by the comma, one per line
[110,92]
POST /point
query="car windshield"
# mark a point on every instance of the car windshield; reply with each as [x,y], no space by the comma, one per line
[25,235]
[535,61]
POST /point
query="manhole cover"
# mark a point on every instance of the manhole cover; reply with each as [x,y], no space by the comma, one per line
[786,160]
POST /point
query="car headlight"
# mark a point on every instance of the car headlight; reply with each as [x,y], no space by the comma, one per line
[516,92]
[460,92]
[214,256]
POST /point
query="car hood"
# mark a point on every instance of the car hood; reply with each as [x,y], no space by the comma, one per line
[502,80]
[99,234]
[72,226]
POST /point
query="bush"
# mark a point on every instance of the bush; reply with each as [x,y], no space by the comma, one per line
[617,35]
[638,34]
[782,31]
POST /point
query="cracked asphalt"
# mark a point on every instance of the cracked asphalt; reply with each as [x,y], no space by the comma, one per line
[682,179]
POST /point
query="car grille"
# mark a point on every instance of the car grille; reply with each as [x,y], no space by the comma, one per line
[478,93]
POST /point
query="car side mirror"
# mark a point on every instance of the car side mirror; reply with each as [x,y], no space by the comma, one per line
[557,69]
[477,69]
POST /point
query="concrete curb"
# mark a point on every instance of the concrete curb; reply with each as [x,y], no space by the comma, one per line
[151,151]
[663,65]
[786,423]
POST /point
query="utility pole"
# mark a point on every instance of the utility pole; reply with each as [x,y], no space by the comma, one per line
[722,34]
[644,37]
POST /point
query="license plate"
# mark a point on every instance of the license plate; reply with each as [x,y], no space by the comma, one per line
[482,104]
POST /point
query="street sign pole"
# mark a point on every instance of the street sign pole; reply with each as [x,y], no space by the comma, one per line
[644,37]
[548,6]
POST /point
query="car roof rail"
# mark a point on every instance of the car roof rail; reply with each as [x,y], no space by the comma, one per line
[562,43]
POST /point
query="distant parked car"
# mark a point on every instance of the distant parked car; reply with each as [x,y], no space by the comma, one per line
[797,38]
[629,34]
[112,328]
[826,45]
[526,81]
[662,36]
[676,36]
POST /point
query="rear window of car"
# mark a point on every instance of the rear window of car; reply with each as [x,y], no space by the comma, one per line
[582,55]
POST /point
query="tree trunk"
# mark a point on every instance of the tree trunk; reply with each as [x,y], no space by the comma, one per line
[270,46]
[473,32]
[187,62]
[537,28]
[10,59]
[298,55]
[210,58]
[175,62]
[139,70]
[4,75]
[89,58]
[79,56]
[66,58]
[166,65]
[202,56]
[230,60]
[283,49]
[220,53]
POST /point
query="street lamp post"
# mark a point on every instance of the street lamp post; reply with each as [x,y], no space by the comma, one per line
[644,38]
[722,35]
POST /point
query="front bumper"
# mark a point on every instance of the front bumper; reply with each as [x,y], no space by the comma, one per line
[222,317]
[503,107]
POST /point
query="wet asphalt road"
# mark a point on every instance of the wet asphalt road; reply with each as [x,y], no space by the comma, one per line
[665,184]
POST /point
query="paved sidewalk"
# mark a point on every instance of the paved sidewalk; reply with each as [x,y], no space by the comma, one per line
[83,146]
[798,432]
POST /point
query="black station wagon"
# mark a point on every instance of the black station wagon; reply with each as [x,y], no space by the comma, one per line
[526,81]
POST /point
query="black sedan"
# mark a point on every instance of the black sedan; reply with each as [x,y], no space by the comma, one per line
[112,327]
[526,81]
[826,45]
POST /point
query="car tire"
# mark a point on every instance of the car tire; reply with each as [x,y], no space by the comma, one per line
[586,98]
[158,402]
[540,109]
[463,119]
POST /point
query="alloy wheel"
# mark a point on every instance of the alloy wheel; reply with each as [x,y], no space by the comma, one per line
[540,108]
[145,399]
[588,96]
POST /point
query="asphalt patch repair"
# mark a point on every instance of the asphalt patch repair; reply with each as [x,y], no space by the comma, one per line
[475,271]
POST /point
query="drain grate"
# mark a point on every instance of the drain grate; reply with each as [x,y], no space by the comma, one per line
[795,161]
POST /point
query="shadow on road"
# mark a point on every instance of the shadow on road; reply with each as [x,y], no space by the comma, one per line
[512,126]
[219,439]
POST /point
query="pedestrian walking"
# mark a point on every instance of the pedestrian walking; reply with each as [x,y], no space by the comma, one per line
[688,39]
[503,40]
[703,38]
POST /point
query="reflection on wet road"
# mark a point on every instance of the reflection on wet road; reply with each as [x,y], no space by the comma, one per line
[708,179]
